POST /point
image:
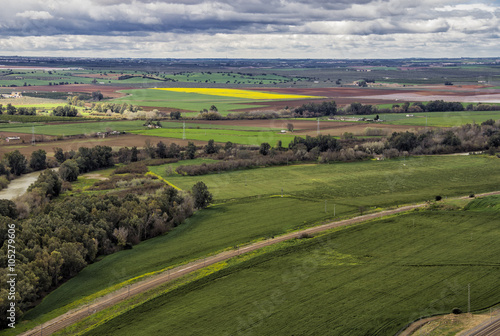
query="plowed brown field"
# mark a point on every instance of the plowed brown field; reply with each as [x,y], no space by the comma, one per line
[116,142]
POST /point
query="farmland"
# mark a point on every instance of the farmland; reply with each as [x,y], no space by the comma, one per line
[437,119]
[196,99]
[369,183]
[253,138]
[345,187]
[353,283]
[348,280]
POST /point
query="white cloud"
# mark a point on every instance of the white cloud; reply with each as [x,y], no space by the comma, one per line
[251,28]
[34,15]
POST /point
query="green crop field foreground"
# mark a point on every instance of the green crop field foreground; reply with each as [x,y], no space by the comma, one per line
[248,207]
[369,279]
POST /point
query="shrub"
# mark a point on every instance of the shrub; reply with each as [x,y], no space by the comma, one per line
[438,198]
[3,182]
[132,168]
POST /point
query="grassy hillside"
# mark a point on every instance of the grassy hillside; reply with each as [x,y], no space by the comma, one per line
[367,183]
[370,279]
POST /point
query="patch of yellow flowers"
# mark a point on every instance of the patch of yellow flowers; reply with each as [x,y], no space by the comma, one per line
[235,93]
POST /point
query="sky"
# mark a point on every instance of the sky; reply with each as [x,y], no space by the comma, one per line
[339,29]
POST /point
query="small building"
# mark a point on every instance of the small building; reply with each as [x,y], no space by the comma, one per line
[13,138]
[16,95]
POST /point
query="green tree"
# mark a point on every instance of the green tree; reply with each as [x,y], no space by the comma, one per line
[48,183]
[494,141]
[11,110]
[228,146]
[202,197]
[264,148]
[211,148]
[8,208]
[97,95]
[161,150]
[134,154]
[403,141]
[69,170]
[175,115]
[38,160]
[17,162]
[191,150]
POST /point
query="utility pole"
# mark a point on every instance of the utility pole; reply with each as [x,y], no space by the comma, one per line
[183,130]
[32,135]
[325,206]
[334,210]
[318,126]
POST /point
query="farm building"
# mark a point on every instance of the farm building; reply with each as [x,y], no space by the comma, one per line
[16,95]
[13,138]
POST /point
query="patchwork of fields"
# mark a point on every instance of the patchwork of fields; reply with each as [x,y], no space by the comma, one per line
[193,100]
[249,206]
[367,279]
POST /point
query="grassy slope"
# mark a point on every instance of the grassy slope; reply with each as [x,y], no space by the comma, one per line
[225,225]
[254,138]
[370,279]
[362,183]
[438,119]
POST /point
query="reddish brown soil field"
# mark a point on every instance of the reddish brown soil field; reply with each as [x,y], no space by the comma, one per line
[116,142]
[386,95]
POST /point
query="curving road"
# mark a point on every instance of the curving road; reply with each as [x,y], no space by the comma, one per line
[122,294]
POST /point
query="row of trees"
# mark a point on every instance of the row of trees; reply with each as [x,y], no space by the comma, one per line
[16,163]
[10,109]
[115,108]
[65,111]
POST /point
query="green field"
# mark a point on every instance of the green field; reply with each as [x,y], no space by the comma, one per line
[26,78]
[257,210]
[254,138]
[367,183]
[206,232]
[369,279]
[436,119]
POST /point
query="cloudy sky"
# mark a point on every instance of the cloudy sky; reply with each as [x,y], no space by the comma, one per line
[250,28]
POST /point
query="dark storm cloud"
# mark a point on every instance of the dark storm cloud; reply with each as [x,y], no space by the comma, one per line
[114,17]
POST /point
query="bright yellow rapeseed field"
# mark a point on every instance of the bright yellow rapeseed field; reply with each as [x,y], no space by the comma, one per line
[247,94]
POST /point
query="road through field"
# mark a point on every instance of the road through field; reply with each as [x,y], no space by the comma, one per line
[124,293]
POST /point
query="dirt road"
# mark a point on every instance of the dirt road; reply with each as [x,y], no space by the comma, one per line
[111,299]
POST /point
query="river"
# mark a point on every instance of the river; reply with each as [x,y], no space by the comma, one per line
[19,185]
